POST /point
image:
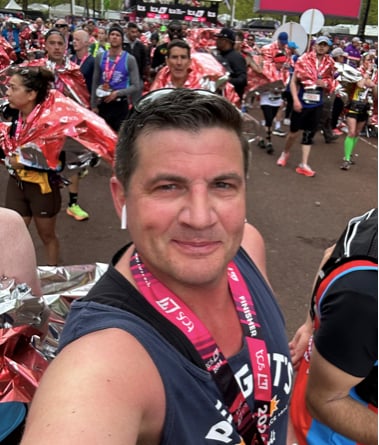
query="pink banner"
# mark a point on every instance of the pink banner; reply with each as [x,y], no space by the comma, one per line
[336,8]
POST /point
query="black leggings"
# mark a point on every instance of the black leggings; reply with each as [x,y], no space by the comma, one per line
[269,114]
[337,109]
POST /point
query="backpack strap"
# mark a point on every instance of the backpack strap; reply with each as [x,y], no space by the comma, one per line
[323,286]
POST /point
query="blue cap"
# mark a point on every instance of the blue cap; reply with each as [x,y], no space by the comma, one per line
[292,45]
[283,37]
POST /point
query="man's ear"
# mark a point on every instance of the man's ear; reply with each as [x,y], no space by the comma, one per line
[118,195]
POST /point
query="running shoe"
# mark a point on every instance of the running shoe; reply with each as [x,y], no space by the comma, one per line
[83,173]
[269,148]
[345,165]
[305,170]
[261,144]
[279,132]
[76,212]
[337,131]
[282,161]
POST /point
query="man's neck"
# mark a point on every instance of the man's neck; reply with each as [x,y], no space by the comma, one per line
[82,53]
[115,51]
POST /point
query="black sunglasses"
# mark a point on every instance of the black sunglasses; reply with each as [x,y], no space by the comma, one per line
[61,26]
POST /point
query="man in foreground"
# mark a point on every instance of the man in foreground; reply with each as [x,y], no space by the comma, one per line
[181,340]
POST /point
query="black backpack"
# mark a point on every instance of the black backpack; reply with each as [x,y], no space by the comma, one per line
[357,248]
[358,245]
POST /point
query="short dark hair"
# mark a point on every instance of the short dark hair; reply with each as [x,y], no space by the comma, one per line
[54,31]
[178,44]
[131,25]
[180,108]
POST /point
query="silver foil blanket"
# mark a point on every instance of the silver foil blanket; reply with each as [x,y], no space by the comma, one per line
[30,327]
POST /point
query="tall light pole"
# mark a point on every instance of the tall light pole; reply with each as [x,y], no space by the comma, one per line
[362,24]
[233,13]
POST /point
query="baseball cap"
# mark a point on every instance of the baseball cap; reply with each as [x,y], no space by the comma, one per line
[292,45]
[226,33]
[323,39]
[338,52]
[283,37]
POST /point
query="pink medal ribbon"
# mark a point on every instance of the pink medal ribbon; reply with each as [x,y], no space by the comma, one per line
[252,426]
[108,71]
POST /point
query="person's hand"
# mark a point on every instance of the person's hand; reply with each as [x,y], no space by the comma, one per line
[299,344]
[321,83]
[297,106]
[112,97]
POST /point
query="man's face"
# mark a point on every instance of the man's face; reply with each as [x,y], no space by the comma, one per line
[222,43]
[91,27]
[251,40]
[322,48]
[186,204]
[175,32]
[39,23]
[132,34]
[55,48]
[179,62]
[62,26]
[79,41]
[115,39]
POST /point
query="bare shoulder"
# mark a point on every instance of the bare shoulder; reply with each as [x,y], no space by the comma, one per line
[10,221]
[18,259]
[93,388]
[254,245]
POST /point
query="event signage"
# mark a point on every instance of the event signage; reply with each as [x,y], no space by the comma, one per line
[177,12]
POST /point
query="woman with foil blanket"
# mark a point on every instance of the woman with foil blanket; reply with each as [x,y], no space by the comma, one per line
[34,186]
[32,148]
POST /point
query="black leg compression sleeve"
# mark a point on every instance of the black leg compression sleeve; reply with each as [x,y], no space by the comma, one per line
[307,137]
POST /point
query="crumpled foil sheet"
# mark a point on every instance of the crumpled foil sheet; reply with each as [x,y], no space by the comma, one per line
[30,327]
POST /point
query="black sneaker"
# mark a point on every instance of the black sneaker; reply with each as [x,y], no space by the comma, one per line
[279,132]
[261,144]
[269,148]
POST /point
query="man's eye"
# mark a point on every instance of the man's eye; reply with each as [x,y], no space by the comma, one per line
[223,185]
[170,186]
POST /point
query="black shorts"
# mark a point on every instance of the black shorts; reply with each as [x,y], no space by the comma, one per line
[360,117]
[27,200]
[115,112]
[307,119]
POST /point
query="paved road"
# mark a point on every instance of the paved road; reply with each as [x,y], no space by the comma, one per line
[298,216]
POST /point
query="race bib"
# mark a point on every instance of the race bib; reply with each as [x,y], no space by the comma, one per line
[312,97]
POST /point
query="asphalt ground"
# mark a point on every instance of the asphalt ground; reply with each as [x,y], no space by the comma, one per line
[298,216]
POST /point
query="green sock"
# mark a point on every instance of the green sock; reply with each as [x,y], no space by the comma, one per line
[349,145]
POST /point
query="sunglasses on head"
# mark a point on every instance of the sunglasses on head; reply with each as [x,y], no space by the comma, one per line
[151,97]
